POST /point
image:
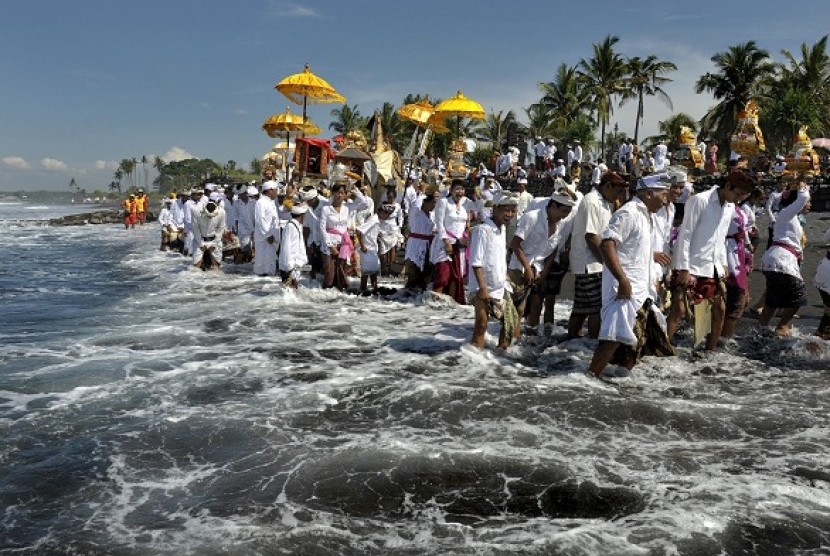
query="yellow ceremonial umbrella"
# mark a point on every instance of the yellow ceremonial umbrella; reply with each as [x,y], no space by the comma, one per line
[286,122]
[460,107]
[417,112]
[436,124]
[305,87]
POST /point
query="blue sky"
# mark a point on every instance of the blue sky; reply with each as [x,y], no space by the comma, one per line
[87,83]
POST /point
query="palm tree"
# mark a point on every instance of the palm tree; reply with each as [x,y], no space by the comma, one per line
[742,70]
[802,96]
[393,126]
[494,128]
[158,164]
[346,119]
[540,120]
[670,130]
[73,185]
[133,167]
[565,95]
[604,77]
[812,72]
[118,175]
[646,77]
[144,168]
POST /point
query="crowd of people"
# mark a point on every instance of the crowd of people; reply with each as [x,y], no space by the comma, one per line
[646,252]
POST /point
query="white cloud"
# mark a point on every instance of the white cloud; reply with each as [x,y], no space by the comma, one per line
[100,165]
[16,162]
[54,164]
[205,105]
[290,9]
[240,111]
[175,154]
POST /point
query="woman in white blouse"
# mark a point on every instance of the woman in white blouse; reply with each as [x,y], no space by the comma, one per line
[452,235]
[334,228]
[782,261]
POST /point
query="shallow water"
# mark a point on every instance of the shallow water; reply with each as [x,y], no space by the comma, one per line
[149,409]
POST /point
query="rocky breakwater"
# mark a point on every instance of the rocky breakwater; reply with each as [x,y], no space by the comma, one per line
[105,216]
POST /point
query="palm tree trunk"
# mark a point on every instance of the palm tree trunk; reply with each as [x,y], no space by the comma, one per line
[639,117]
[602,142]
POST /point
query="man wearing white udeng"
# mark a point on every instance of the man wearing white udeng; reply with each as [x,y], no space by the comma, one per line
[266,231]
[630,326]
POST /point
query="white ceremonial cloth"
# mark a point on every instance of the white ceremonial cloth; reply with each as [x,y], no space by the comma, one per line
[293,254]
[165,218]
[417,250]
[245,219]
[205,226]
[631,229]
[369,261]
[266,224]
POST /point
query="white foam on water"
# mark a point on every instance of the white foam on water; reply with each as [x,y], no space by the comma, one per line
[197,385]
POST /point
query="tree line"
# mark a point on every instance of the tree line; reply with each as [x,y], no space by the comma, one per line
[581,98]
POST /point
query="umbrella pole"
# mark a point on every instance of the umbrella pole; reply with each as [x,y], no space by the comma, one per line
[286,165]
[305,161]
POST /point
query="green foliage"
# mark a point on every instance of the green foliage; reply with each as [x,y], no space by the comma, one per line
[479,155]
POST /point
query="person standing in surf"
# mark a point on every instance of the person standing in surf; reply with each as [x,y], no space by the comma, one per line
[782,261]
[419,238]
[699,259]
[631,325]
[338,246]
[448,252]
[130,207]
[266,231]
[293,255]
[208,229]
[591,218]
[822,282]
[488,284]
[535,250]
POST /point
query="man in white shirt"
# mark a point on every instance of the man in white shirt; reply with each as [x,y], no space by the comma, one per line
[169,232]
[266,231]
[577,151]
[560,170]
[532,244]
[590,221]
[293,255]
[488,284]
[596,174]
[421,235]
[661,152]
[627,290]
[208,229]
[550,155]
[311,229]
[539,151]
[699,258]
[245,206]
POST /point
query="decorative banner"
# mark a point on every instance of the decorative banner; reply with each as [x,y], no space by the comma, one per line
[424,142]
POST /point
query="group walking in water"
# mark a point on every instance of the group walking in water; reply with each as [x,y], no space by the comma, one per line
[647,253]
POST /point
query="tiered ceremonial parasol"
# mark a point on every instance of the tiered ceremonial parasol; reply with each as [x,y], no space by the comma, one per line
[286,122]
[305,87]
[460,107]
[417,112]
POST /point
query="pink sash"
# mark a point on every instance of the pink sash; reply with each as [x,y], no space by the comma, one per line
[346,245]
[741,277]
